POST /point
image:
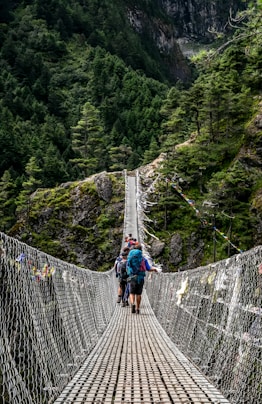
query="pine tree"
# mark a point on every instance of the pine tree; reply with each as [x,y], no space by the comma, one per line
[30,184]
[152,152]
[119,157]
[54,168]
[87,140]
[7,201]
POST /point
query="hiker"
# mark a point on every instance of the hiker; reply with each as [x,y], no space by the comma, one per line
[137,265]
[127,238]
[122,276]
[131,242]
[122,257]
[118,259]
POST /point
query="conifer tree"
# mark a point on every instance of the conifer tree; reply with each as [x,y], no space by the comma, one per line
[119,157]
[87,140]
[54,169]
[152,152]
[30,184]
[7,201]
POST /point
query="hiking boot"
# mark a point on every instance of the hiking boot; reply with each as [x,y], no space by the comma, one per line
[119,299]
[127,304]
[137,311]
[123,304]
[133,308]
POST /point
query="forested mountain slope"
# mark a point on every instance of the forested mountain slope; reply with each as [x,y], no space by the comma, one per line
[88,86]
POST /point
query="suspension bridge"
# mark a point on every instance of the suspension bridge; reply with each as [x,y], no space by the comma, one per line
[64,339]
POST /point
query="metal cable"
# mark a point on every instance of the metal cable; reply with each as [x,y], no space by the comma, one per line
[213,314]
[52,314]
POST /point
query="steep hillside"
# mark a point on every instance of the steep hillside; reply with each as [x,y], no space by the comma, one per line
[219,215]
[80,222]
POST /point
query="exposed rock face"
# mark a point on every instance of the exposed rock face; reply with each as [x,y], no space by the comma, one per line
[195,249]
[176,246]
[162,34]
[157,248]
[104,186]
[175,22]
[196,18]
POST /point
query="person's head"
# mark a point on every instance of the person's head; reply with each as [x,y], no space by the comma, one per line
[124,255]
[138,246]
[125,250]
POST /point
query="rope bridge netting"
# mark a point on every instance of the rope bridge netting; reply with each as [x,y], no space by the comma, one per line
[52,315]
[213,315]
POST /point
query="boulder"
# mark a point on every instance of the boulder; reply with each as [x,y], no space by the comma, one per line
[157,248]
[176,246]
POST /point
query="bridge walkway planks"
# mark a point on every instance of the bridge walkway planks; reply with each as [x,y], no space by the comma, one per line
[136,362]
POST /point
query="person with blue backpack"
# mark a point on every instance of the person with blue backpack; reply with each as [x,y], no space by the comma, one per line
[137,266]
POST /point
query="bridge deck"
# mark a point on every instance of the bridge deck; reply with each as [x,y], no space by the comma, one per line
[136,362]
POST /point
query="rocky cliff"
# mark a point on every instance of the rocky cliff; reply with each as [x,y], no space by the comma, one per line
[175,26]
[195,19]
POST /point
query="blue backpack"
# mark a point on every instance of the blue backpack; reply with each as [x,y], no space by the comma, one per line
[134,261]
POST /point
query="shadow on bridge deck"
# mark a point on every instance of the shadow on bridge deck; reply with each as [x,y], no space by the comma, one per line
[136,362]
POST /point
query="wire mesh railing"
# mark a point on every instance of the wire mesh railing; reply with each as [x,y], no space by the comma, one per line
[52,314]
[213,315]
